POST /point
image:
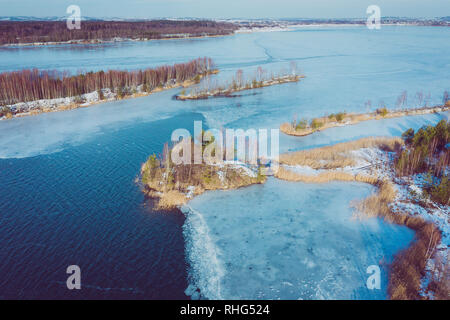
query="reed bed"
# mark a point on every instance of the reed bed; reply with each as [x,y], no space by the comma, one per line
[15,32]
[324,177]
[338,155]
[408,267]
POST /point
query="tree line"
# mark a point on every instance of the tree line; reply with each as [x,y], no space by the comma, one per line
[13,32]
[32,84]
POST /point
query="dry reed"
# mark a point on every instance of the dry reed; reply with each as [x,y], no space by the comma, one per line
[338,155]
[408,267]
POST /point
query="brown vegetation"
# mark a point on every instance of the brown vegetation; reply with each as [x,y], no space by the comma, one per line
[338,155]
[439,283]
[408,267]
[21,32]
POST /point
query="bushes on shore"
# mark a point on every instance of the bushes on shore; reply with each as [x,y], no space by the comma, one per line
[337,117]
[427,151]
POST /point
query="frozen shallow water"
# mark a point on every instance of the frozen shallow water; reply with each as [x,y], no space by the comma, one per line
[285,240]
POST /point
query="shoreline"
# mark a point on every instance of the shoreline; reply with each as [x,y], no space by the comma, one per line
[100,41]
[168,191]
[325,122]
[172,184]
[92,99]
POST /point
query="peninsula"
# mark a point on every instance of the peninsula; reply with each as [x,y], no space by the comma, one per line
[30,92]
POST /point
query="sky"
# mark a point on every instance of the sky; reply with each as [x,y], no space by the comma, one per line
[226,8]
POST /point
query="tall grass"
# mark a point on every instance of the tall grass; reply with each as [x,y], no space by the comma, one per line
[171,182]
[338,155]
[408,267]
[323,177]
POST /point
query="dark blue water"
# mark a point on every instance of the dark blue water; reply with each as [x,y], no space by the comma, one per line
[82,206]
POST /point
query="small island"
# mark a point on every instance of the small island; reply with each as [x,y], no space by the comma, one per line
[238,83]
[172,185]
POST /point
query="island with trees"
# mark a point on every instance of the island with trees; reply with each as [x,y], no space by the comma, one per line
[171,185]
[238,83]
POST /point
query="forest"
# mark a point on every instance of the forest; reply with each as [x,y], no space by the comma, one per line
[21,32]
[32,84]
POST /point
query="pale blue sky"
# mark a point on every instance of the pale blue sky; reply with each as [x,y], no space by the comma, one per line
[226,8]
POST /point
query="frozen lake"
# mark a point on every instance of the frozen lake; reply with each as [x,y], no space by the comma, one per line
[67,178]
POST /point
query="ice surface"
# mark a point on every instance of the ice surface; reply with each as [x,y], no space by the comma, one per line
[52,132]
[285,240]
